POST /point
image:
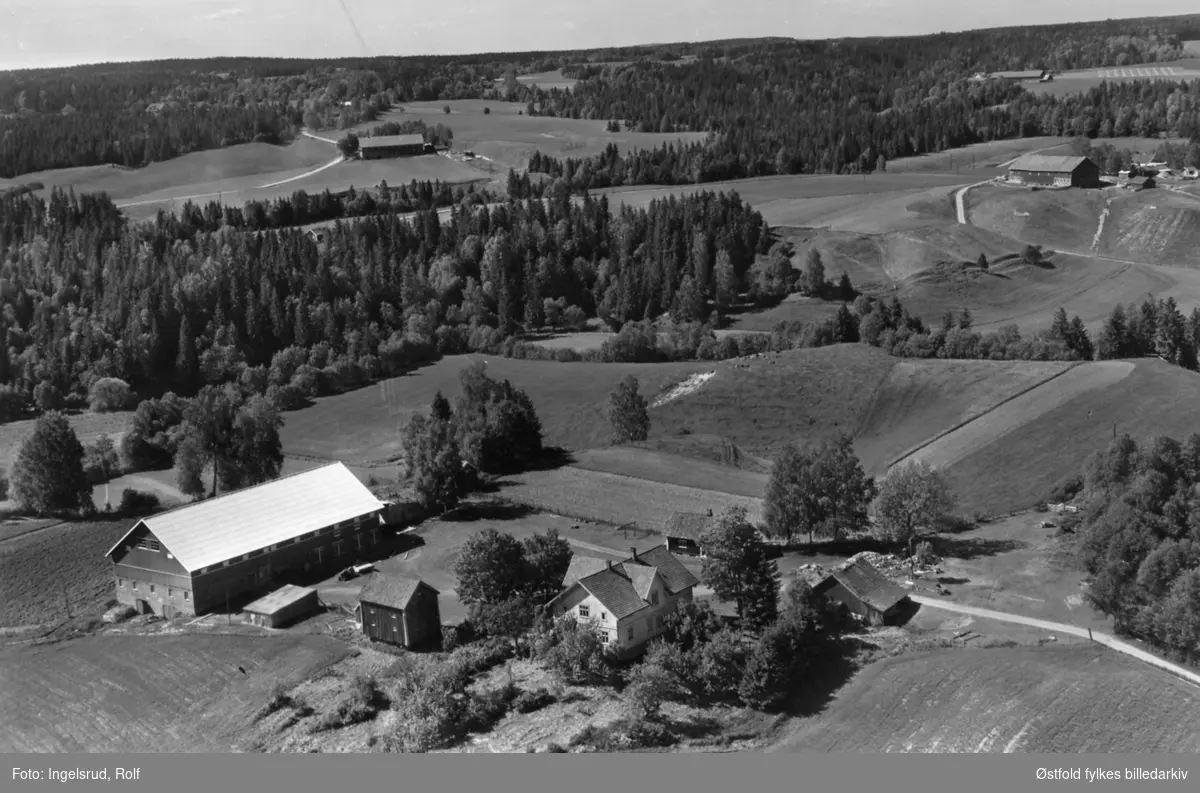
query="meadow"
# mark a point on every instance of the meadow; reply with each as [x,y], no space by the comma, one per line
[88,426]
[674,469]
[1015,699]
[1071,82]
[178,693]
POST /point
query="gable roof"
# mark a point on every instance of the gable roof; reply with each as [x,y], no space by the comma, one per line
[1046,162]
[676,577]
[868,585]
[615,591]
[642,579]
[391,140]
[226,527]
[284,596]
[623,587]
[582,567]
[688,525]
[393,591]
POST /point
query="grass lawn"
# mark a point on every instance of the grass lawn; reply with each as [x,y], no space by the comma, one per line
[672,469]
[1015,699]
[42,571]
[1024,465]
[181,693]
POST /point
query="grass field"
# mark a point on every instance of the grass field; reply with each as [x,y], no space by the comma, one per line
[182,693]
[1020,699]
[1081,80]
[981,159]
[616,499]
[659,466]
[41,572]
[1058,219]
[508,137]
[1024,464]
[88,426]
[919,399]
[548,81]
[1154,226]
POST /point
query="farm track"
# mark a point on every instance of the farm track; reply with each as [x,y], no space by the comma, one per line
[316,170]
[1105,639]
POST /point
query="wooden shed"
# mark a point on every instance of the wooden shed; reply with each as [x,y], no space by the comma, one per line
[399,610]
[283,606]
[864,591]
[685,530]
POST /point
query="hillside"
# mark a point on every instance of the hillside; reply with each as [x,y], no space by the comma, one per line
[1056,219]
[1154,226]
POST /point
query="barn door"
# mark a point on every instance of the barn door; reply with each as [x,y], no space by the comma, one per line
[397,632]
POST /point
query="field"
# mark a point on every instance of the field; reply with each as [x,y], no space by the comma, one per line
[1019,699]
[1083,79]
[182,693]
[42,572]
[981,159]
[673,469]
[1155,227]
[1058,219]
[1023,466]
[548,81]
[88,426]
[507,137]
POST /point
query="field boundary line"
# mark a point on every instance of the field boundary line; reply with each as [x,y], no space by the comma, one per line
[981,414]
[1098,637]
[31,532]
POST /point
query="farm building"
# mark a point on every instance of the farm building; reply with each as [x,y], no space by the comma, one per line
[627,601]
[1032,75]
[391,146]
[210,554]
[864,591]
[684,531]
[400,611]
[1042,169]
[283,606]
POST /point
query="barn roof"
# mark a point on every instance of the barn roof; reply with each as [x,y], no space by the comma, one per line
[393,591]
[279,599]
[391,140]
[231,525]
[1029,74]
[868,585]
[687,525]
[1046,162]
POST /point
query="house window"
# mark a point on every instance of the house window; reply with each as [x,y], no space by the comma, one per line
[254,553]
[583,612]
[604,638]
[318,550]
[245,556]
[152,589]
[629,633]
[603,616]
[121,582]
[187,595]
[149,545]
[360,542]
[170,592]
[135,586]
[653,598]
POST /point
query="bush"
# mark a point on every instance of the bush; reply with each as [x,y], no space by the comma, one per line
[530,701]
[487,708]
[557,748]
[110,394]
[574,653]
[136,502]
[47,396]
[361,703]
[1066,490]
[471,659]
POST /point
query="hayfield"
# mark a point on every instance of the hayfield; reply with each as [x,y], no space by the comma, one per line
[548,81]
[1018,699]
[41,572]
[1155,227]
[1081,80]
[616,499]
[1058,219]
[920,399]
[673,469]
[981,159]
[1025,463]
[976,436]
[181,693]
[508,137]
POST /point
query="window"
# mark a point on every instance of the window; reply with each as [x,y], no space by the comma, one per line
[245,556]
[319,560]
[583,612]
[360,542]
[135,586]
[187,595]
[259,552]
[152,589]
[149,545]
[170,592]
[121,582]
[653,598]
[337,547]
[604,638]
[629,633]
[603,616]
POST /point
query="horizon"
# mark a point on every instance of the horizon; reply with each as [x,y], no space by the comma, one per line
[52,34]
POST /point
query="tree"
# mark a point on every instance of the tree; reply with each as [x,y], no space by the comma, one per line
[109,394]
[982,261]
[627,412]
[912,497]
[348,145]
[152,438]
[547,557]
[490,568]
[433,461]
[510,618]
[238,440]
[498,430]
[727,281]
[814,273]
[47,396]
[738,569]
[791,502]
[648,685]
[825,492]
[48,475]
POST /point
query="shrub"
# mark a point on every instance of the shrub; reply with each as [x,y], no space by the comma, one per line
[136,502]
[360,703]
[530,701]
[47,396]
[485,709]
[557,748]
[471,659]
[574,653]
[109,394]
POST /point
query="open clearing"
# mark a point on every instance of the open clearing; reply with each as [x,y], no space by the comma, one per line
[1084,79]
[1020,699]
[182,693]
[1029,406]
[507,137]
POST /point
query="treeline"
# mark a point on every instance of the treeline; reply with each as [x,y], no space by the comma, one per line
[1140,543]
[86,296]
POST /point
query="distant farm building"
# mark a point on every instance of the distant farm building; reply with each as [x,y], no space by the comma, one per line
[392,146]
[204,556]
[625,602]
[400,611]
[282,607]
[1030,76]
[684,531]
[1050,171]
[864,591]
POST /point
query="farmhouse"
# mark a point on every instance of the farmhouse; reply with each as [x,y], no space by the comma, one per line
[283,606]
[206,555]
[1042,169]
[684,530]
[864,591]
[391,146]
[626,602]
[399,610]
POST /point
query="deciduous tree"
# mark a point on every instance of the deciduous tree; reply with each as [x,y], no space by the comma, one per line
[627,412]
[48,475]
[912,497]
[738,568]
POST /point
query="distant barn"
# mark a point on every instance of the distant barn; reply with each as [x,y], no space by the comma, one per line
[864,591]
[1029,76]
[386,146]
[1050,171]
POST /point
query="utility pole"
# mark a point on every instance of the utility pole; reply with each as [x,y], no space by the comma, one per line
[63,581]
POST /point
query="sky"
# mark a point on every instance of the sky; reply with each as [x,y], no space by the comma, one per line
[42,33]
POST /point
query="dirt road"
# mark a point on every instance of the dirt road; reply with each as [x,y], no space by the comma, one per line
[1061,627]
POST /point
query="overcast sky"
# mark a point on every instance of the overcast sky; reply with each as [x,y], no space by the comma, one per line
[39,33]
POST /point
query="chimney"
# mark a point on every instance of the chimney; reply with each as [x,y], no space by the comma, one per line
[610,564]
[633,553]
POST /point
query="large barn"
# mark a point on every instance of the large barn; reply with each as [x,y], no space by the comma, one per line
[391,146]
[205,556]
[1051,171]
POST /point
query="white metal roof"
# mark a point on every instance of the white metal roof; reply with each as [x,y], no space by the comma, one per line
[226,527]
